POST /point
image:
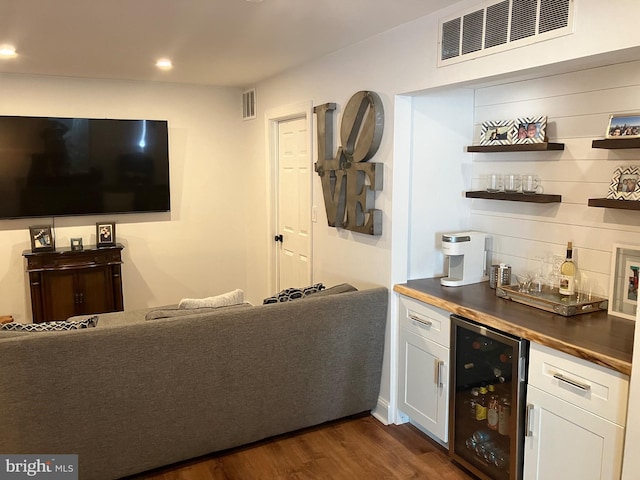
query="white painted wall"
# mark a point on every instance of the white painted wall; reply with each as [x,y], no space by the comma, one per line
[395,64]
[578,105]
[196,250]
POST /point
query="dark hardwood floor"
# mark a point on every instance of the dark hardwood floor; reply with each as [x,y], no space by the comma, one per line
[350,449]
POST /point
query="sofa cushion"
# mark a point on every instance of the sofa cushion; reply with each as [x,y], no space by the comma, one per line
[340,288]
[51,326]
[158,313]
[290,294]
[235,297]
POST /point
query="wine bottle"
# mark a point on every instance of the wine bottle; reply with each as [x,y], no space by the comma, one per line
[567,273]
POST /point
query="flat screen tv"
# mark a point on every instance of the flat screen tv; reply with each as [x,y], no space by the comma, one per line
[82,166]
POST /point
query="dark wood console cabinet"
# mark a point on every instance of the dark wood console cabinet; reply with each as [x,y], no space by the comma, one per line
[65,282]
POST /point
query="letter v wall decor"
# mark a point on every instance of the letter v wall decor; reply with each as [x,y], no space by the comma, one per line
[349,182]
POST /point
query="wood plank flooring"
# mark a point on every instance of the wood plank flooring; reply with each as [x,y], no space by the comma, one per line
[349,449]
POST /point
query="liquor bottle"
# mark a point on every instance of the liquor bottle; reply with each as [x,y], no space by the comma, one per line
[481,404]
[567,273]
[492,411]
[504,411]
[475,392]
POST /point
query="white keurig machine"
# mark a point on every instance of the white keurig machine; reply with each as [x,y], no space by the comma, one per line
[466,255]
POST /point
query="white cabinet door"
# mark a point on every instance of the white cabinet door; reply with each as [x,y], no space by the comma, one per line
[424,383]
[565,441]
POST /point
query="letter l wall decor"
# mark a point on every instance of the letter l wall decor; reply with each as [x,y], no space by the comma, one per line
[349,183]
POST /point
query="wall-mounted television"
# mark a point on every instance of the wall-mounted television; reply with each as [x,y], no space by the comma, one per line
[82,166]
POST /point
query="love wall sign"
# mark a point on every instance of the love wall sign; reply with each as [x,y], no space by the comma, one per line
[349,182]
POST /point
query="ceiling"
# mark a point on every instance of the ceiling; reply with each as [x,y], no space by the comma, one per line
[214,42]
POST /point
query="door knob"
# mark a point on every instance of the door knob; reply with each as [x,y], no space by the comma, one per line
[278,238]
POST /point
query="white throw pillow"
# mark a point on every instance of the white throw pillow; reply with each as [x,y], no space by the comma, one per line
[234,297]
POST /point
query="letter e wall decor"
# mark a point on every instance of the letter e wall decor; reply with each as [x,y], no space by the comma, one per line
[349,182]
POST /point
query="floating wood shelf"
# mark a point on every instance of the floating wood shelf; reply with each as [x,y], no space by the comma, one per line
[616,143]
[524,147]
[614,203]
[515,197]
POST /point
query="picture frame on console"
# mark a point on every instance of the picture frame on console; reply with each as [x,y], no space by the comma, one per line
[623,287]
[42,239]
[105,234]
[76,244]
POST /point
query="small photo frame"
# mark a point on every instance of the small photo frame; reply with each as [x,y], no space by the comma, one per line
[623,287]
[497,133]
[105,233]
[625,184]
[529,130]
[76,244]
[42,238]
[623,126]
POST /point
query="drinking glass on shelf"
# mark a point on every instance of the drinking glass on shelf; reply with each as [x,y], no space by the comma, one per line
[531,184]
[512,183]
[494,182]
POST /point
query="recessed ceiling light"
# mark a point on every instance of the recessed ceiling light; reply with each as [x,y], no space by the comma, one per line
[7,51]
[164,64]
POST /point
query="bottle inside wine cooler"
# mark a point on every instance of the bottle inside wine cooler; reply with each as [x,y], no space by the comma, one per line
[504,411]
[481,404]
[473,401]
[492,411]
[483,344]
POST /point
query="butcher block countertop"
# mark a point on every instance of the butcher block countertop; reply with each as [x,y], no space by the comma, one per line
[597,337]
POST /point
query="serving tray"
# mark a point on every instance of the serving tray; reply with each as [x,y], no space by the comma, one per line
[550,300]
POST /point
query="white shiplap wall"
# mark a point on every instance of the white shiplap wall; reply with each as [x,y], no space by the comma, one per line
[578,106]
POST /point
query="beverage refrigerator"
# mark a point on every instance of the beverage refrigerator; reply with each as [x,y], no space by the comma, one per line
[487,400]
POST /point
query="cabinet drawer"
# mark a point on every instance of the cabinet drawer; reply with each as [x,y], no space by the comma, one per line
[584,384]
[425,320]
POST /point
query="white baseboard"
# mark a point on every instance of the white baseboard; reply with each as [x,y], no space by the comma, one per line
[381,411]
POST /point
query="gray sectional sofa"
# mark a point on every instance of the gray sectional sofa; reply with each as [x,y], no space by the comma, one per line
[133,394]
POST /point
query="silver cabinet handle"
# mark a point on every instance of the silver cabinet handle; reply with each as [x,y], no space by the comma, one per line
[438,372]
[528,419]
[572,382]
[424,322]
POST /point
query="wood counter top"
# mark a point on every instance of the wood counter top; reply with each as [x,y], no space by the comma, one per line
[596,337]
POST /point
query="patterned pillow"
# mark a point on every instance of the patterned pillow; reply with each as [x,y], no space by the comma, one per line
[51,326]
[290,294]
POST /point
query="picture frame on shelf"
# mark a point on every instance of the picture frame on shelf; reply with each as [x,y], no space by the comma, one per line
[498,132]
[625,125]
[625,184]
[42,239]
[76,244]
[623,286]
[529,130]
[105,234]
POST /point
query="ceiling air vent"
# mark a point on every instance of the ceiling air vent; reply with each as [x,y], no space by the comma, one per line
[497,26]
[249,104]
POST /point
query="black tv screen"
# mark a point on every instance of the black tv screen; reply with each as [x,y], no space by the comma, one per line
[82,166]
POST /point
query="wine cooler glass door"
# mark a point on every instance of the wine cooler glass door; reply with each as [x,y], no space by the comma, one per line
[487,400]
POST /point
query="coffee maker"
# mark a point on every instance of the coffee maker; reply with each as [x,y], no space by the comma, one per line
[466,255]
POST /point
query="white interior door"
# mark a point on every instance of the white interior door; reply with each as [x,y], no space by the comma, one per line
[294,204]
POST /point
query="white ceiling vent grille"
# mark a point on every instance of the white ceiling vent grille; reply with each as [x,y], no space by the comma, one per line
[249,104]
[497,26]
